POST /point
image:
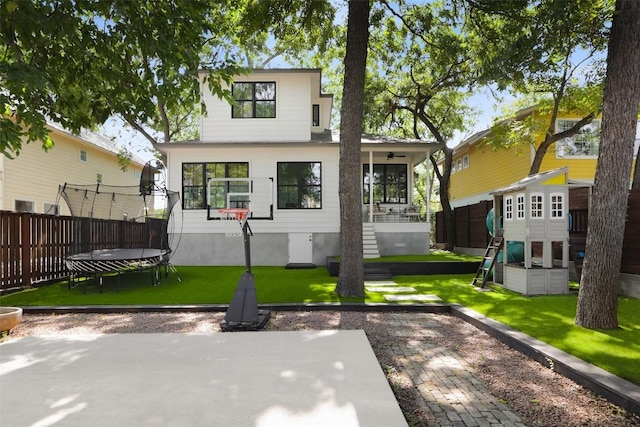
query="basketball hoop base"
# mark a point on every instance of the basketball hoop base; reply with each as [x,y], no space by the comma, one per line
[243,313]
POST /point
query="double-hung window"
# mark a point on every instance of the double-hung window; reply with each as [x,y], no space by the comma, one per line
[557,205]
[253,100]
[196,175]
[520,206]
[299,185]
[508,208]
[387,184]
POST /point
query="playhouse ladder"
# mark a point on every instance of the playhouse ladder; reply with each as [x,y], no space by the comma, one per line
[493,249]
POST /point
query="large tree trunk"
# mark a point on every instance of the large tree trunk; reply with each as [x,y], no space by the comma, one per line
[351,275]
[598,297]
[636,171]
[444,179]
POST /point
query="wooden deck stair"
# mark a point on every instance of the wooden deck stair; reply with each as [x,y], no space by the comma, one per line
[491,253]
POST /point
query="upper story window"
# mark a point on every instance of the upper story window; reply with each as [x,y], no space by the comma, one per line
[315,119]
[508,208]
[388,184]
[537,206]
[84,156]
[299,185]
[196,175]
[586,143]
[253,100]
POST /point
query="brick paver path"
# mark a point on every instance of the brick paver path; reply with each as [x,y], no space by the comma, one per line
[451,392]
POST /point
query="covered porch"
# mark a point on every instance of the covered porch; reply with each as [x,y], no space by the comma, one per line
[389,180]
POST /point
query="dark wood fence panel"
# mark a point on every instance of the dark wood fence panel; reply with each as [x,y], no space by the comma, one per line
[631,245]
[462,226]
[479,236]
[441,231]
[33,246]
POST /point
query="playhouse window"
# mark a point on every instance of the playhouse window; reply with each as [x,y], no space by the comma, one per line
[196,175]
[253,100]
[586,143]
[299,185]
[557,205]
[508,208]
[537,206]
[520,206]
[389,183]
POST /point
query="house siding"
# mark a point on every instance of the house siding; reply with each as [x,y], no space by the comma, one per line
[293,113]
[488,169]
[35,175]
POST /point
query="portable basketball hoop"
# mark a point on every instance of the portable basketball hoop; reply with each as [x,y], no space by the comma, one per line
[229,216]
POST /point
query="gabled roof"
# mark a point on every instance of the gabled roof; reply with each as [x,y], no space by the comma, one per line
[479,136]
[532,180]
[99,141]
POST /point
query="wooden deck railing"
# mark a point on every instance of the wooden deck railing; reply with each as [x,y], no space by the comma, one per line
[33,246]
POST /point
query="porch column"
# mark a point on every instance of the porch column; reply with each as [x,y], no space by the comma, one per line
[427,188]
[370,186]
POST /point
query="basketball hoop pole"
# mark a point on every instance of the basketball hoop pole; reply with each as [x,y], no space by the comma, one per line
[243,313]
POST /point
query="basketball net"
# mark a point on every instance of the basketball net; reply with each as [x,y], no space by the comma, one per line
[229,216]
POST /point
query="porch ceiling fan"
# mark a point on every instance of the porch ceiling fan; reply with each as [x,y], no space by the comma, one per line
[393,155]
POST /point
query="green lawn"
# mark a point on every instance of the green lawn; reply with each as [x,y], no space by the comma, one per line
[548,318]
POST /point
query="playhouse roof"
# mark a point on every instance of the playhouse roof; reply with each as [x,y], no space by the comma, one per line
[533,180]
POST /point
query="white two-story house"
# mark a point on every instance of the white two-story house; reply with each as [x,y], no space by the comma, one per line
[272,151]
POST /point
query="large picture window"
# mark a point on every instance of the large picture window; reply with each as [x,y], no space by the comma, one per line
[388,184]
[196,175]
[299,185]
[586,143]
[254,100]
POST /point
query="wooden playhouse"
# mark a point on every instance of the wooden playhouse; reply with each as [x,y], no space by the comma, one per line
[534,211]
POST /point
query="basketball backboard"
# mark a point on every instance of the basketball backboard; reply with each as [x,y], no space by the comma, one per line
[255,194]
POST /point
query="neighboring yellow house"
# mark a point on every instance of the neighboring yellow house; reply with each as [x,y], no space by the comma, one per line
[477,169]
[29,182]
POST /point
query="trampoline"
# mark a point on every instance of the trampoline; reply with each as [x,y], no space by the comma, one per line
[119,229]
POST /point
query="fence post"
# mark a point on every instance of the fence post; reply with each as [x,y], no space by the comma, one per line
[25,252]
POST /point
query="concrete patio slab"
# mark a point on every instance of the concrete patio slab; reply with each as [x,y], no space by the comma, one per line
[258,379]
[380,283]
[426,297]
[390,289]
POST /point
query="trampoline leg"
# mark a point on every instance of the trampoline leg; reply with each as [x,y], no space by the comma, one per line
[172,268]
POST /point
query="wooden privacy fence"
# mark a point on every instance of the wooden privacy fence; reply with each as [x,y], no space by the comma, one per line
[33,246]
[471,229]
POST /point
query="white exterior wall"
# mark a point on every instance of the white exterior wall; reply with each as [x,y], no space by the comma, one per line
[262,164]
[293,113]
[34,175]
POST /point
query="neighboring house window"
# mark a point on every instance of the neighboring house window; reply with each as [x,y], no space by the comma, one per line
[316,115]
[254,100]
[465,161]
[84,156]
[459,164]
[586,143]
[196,175]
[299,185]
[98,178]
[537,206]
[557,205]
[389,183]
[520,206]
[137,174]
[51,209]
[508,208]
[24,206]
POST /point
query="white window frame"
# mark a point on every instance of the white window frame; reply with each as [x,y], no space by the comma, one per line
[32,203]
[508,208]
[84,156]
[50,208]
[573,147]
[459,164]
[520,206]
[99,178]
[536,207]
[465,161]
[556,207]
